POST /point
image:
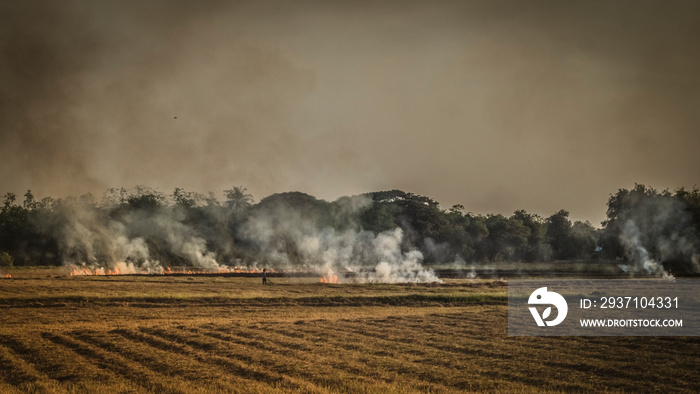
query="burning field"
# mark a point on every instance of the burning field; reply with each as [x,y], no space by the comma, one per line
[218,333]
[123,269]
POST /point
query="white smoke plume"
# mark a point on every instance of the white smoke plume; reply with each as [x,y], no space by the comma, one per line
[85,243]
[658,230]
[142,233]
[637,254]
[288,238]
[90,243]
[393,265]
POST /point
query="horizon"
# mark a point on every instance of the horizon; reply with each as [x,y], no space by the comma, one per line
[256,200]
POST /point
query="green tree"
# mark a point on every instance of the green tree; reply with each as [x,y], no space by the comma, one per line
[621,206]
[188,199]
[115,196]
[506,237]
[9,202]
[537,248]
[424,216]
[15,229]
[6,260]
[558,234]
[583,240]
[29,202]
[691,199]
[643,223]
[379,217]
[237,199]
[463,233]
[147,199]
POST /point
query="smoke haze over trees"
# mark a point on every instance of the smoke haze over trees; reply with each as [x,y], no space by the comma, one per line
[481,103]
[397,236]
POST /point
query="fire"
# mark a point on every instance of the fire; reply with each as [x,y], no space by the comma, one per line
[7,276]
[87,271]
[330,278]
[220,270]
[100,271]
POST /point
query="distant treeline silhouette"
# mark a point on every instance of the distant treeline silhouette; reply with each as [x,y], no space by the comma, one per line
[143,225]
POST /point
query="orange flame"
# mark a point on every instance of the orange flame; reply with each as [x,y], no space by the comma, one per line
[7,276]
[80,271]
[330,278]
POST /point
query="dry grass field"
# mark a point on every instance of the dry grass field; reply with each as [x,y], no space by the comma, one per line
[215,334]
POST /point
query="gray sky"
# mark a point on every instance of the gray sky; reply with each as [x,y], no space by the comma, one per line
[496,105]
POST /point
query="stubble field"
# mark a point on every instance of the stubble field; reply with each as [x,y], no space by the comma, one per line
[217,334]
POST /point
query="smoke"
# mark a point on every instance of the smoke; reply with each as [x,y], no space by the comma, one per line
[84,240]
[440,252]
[658,232]
[394,266]
[289,238]
[122,243]
[281,95]
[139,232]
[631,239]
[87,99]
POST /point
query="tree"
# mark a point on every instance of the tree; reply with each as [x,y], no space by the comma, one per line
[9,202]
[644,224]
[506,236]
[187,199]
[147,199]
[583,240]
[115,197]
[420,218]
[537,248]
[457,209]
[691,198]
[6,260]
[455,234]
[15,229]
[237,199]
[29,202]
[623,206]
[379,217]
[558,232]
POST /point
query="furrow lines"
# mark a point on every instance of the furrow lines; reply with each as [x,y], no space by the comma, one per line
[157,360]
[6,388]
[55,362]
[255,374]
[393,357]
[538,359]
[17,372]
[130,370]
[578,358]
[312,355]
[467,353]
[401,357]
[288,358]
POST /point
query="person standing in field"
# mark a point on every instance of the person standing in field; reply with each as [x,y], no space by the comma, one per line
[264,276]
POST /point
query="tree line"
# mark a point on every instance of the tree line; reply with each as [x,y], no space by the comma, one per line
[641,223]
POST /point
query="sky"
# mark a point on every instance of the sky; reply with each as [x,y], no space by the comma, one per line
[495,105]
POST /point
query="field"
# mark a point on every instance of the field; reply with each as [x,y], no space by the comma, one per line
[221,334]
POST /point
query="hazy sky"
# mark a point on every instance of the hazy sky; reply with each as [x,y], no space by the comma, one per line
[496,105]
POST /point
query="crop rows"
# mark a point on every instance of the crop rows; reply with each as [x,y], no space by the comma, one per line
[439,352]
